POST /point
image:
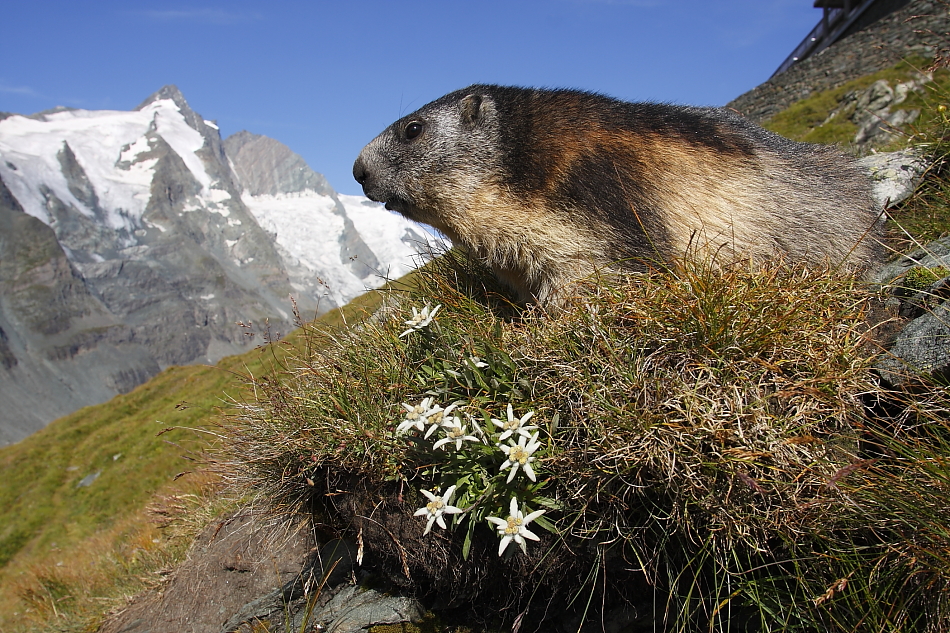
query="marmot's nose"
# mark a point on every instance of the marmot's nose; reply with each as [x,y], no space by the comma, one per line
[359,171]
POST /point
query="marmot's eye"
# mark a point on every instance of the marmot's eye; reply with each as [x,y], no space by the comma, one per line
[413,130]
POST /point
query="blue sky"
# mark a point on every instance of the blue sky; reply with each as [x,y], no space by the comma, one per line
[326,77]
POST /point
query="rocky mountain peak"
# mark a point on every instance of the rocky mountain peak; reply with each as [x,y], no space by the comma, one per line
[172,92]
[266,166]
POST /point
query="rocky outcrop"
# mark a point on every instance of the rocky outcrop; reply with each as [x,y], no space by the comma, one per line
[876,111]
[241,572]
[920,28]
[918,286]
[57,337]
[894,175]
[268,167]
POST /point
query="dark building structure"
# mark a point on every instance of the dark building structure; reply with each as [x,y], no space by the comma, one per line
[852,40]
[839,19]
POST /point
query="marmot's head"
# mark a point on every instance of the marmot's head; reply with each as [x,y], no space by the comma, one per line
[428,164]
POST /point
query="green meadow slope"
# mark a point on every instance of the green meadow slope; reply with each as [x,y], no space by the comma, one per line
[85,499]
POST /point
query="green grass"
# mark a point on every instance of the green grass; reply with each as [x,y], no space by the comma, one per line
[810,119]
[48,517]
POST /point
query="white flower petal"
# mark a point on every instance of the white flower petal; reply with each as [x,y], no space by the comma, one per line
[526,533]
[529,471]
[531,517]
[503,545]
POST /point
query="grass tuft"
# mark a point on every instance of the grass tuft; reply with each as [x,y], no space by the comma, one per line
[695,425]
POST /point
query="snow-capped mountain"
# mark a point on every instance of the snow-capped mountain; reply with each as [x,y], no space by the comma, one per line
[130,241]
[335,246]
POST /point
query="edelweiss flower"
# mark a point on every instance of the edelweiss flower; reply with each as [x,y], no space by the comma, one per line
[520,454]
[440,417]
[420,319]
[514,425]
[416,416]
[454,432]
[436,507]
[514,527]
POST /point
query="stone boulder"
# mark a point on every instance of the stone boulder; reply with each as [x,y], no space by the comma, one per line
[244,571]
[918,285]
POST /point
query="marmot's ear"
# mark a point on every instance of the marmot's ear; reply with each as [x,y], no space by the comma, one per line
[473,109]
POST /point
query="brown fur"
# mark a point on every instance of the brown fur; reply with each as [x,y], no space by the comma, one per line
[546,185]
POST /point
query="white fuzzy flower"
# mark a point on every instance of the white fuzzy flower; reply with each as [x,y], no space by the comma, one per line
[437,506]
[514,425]
[420,319]
[514,528]
[454,432]
[416,416]
[438,417]
[521,454]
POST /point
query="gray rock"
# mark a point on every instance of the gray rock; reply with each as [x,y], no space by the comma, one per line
[237,571]
[354,609]
[921,348]
[914,303]
[895,175]
[874,115]
[934,255]
[88,480]
[267,166]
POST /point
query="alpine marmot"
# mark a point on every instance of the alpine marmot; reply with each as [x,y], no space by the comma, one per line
[545,186]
